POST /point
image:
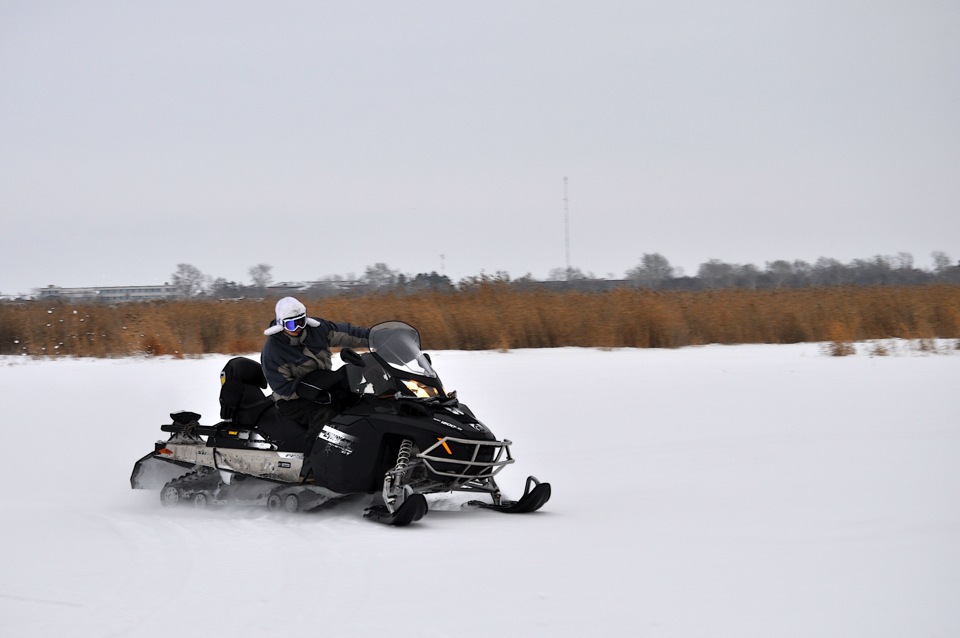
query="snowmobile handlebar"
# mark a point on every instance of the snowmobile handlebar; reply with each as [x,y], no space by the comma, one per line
[352,357]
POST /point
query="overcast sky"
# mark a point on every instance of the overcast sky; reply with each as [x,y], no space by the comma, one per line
[322,137]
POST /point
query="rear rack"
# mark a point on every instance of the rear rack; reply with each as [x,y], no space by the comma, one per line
[487,469]
[191,429]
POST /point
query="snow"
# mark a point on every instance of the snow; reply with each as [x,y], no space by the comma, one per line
[711,491]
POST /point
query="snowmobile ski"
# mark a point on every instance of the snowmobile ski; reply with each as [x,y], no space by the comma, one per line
[413,509]
[531,501]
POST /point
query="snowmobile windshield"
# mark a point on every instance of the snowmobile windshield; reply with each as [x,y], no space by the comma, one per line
[398,344]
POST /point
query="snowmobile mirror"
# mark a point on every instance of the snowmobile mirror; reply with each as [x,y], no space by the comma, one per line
[349,355]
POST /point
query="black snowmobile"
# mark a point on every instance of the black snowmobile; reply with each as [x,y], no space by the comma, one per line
[396,434]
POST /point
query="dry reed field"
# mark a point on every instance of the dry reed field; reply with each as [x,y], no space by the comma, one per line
[498,316]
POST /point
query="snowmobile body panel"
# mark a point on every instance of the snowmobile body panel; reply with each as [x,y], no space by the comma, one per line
[270,465]
[354,450]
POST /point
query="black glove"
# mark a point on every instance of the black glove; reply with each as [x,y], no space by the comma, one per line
[318,386]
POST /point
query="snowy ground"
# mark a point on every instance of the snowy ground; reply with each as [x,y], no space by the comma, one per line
[714,491]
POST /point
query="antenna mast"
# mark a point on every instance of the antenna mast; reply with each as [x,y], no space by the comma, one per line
[566,225]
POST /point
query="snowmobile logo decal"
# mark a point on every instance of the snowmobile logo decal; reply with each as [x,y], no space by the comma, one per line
[337,439]
[448,424]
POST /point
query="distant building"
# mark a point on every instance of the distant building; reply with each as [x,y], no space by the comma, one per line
[110,294]
[321,287]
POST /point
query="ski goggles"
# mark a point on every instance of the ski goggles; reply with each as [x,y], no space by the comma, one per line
[295,323]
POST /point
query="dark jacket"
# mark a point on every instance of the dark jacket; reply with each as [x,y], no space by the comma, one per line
[285,359]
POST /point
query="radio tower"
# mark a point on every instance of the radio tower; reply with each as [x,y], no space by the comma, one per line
[566,225]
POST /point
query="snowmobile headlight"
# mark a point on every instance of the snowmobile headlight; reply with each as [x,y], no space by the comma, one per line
[421,390]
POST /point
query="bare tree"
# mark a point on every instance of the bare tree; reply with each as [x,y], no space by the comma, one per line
[780,272]
[941,261]
[652,271]
[260,275]
[188,280]
[905,261]
[220,288]
[717,274]
[828,271]
[380,275]
[567,274]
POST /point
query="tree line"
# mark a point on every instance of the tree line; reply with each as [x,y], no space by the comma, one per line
[193,283]
[653,271]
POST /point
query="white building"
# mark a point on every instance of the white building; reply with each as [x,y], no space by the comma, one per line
[110,294]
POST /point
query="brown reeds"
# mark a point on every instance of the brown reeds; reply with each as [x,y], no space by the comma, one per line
[500,316]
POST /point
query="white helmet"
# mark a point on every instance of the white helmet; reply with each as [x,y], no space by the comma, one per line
[290,309]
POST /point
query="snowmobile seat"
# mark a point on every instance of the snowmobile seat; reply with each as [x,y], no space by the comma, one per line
[241,391]
[244,404]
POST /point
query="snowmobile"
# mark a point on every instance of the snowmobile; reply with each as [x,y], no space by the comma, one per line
[396,433]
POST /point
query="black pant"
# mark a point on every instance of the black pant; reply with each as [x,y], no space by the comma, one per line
[313,416]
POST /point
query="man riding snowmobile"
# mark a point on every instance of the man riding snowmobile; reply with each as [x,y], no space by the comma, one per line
[297,361]
[399,436]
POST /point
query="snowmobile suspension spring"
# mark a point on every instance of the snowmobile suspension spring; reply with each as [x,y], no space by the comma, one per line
[403,456]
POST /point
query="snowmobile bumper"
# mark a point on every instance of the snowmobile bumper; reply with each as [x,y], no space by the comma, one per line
[486,458]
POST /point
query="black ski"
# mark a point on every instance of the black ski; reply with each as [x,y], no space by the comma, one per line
[413,509]
[532,499]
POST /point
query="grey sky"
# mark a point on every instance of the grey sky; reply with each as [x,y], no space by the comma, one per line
[322,137]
